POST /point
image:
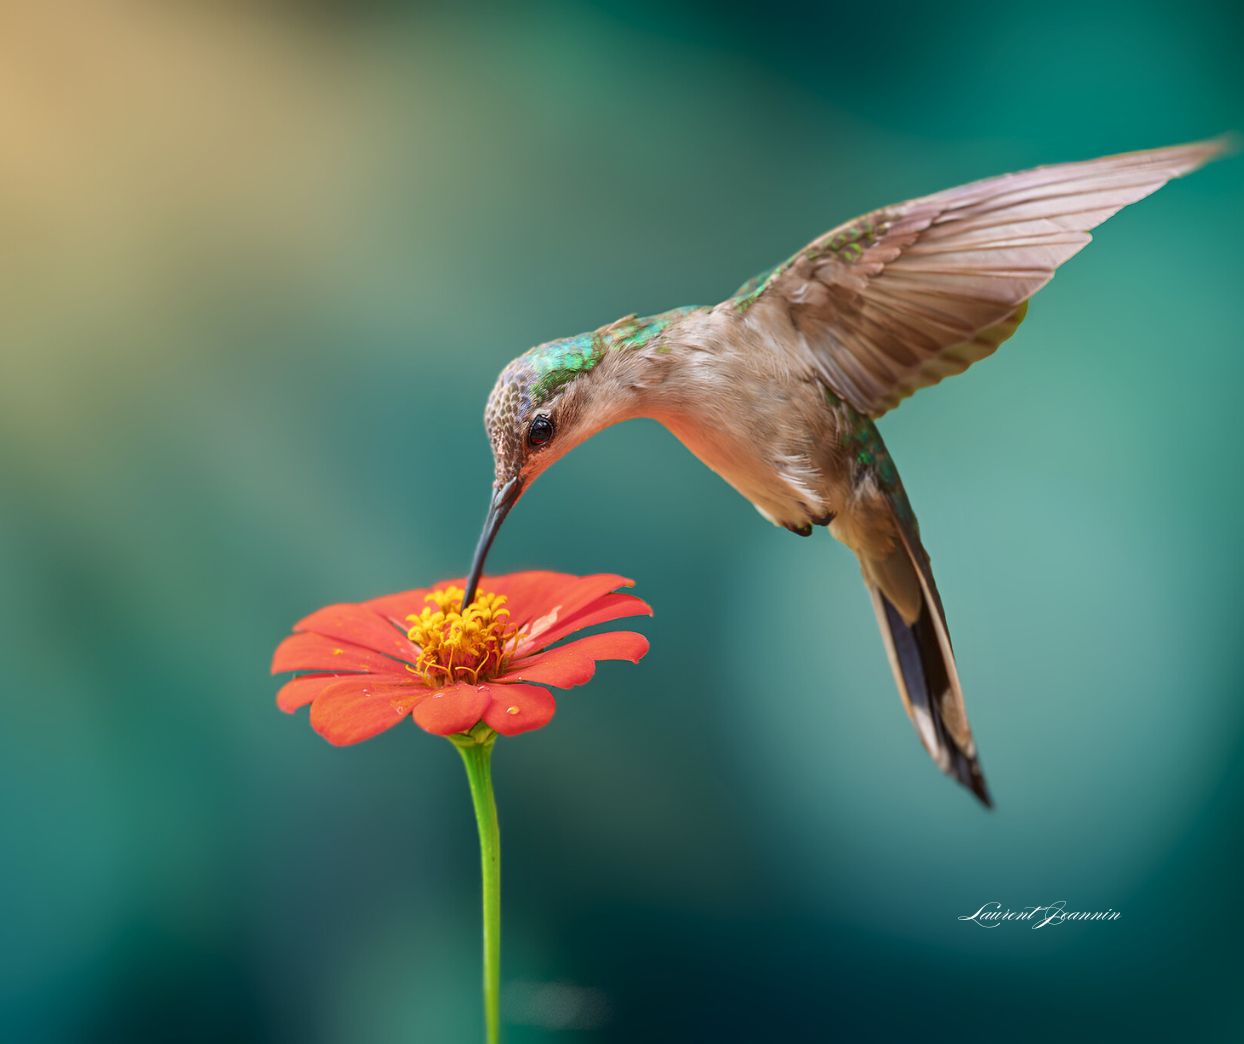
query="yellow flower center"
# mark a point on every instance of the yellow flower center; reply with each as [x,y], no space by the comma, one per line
[457,646]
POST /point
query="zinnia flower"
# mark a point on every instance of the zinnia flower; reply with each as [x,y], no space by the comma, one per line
[368,665]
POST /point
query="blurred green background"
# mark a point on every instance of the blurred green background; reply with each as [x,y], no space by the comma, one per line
[260,266]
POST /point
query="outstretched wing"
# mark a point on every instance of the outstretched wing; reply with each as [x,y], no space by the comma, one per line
[902,297]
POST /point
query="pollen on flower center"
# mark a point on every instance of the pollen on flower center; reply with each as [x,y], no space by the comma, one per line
[457,646]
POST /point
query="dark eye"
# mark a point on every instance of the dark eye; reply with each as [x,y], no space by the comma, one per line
[540,432]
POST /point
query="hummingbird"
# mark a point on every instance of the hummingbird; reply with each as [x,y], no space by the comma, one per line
[778,388]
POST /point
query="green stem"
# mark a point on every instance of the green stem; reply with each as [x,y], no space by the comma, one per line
[476,750]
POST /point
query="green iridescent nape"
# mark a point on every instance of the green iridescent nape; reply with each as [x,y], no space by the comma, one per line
[553,365]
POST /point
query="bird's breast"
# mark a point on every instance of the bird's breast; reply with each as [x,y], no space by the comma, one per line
[786,479]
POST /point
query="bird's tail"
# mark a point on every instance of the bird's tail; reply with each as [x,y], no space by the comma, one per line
[913,625]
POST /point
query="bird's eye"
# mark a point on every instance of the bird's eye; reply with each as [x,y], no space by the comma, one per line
[540,432]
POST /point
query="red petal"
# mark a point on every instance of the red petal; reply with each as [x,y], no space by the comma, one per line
[361,626]
[610,607]
[298,692]
[552,607]
[519,708]
[565,668]
[454,709]
[314,652]
[530,594]
[355,709]
[575,663]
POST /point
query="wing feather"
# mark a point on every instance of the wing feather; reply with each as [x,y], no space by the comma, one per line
[900,298]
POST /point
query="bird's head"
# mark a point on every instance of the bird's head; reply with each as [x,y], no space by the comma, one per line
[541,407]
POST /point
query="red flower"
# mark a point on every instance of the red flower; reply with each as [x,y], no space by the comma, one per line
[371,664]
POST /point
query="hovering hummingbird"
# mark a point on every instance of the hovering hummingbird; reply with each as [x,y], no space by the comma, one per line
[778,387]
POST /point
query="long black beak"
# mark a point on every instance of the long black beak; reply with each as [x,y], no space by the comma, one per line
[502,500]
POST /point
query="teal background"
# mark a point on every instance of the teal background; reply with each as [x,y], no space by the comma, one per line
[261,264]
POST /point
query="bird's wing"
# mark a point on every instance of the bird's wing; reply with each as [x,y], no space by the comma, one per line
[902,297]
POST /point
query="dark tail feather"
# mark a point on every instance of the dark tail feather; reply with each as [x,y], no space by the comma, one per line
[926,678]
[880,527]
[909,612]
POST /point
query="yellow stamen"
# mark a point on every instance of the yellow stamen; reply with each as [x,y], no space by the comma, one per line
[457,646]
